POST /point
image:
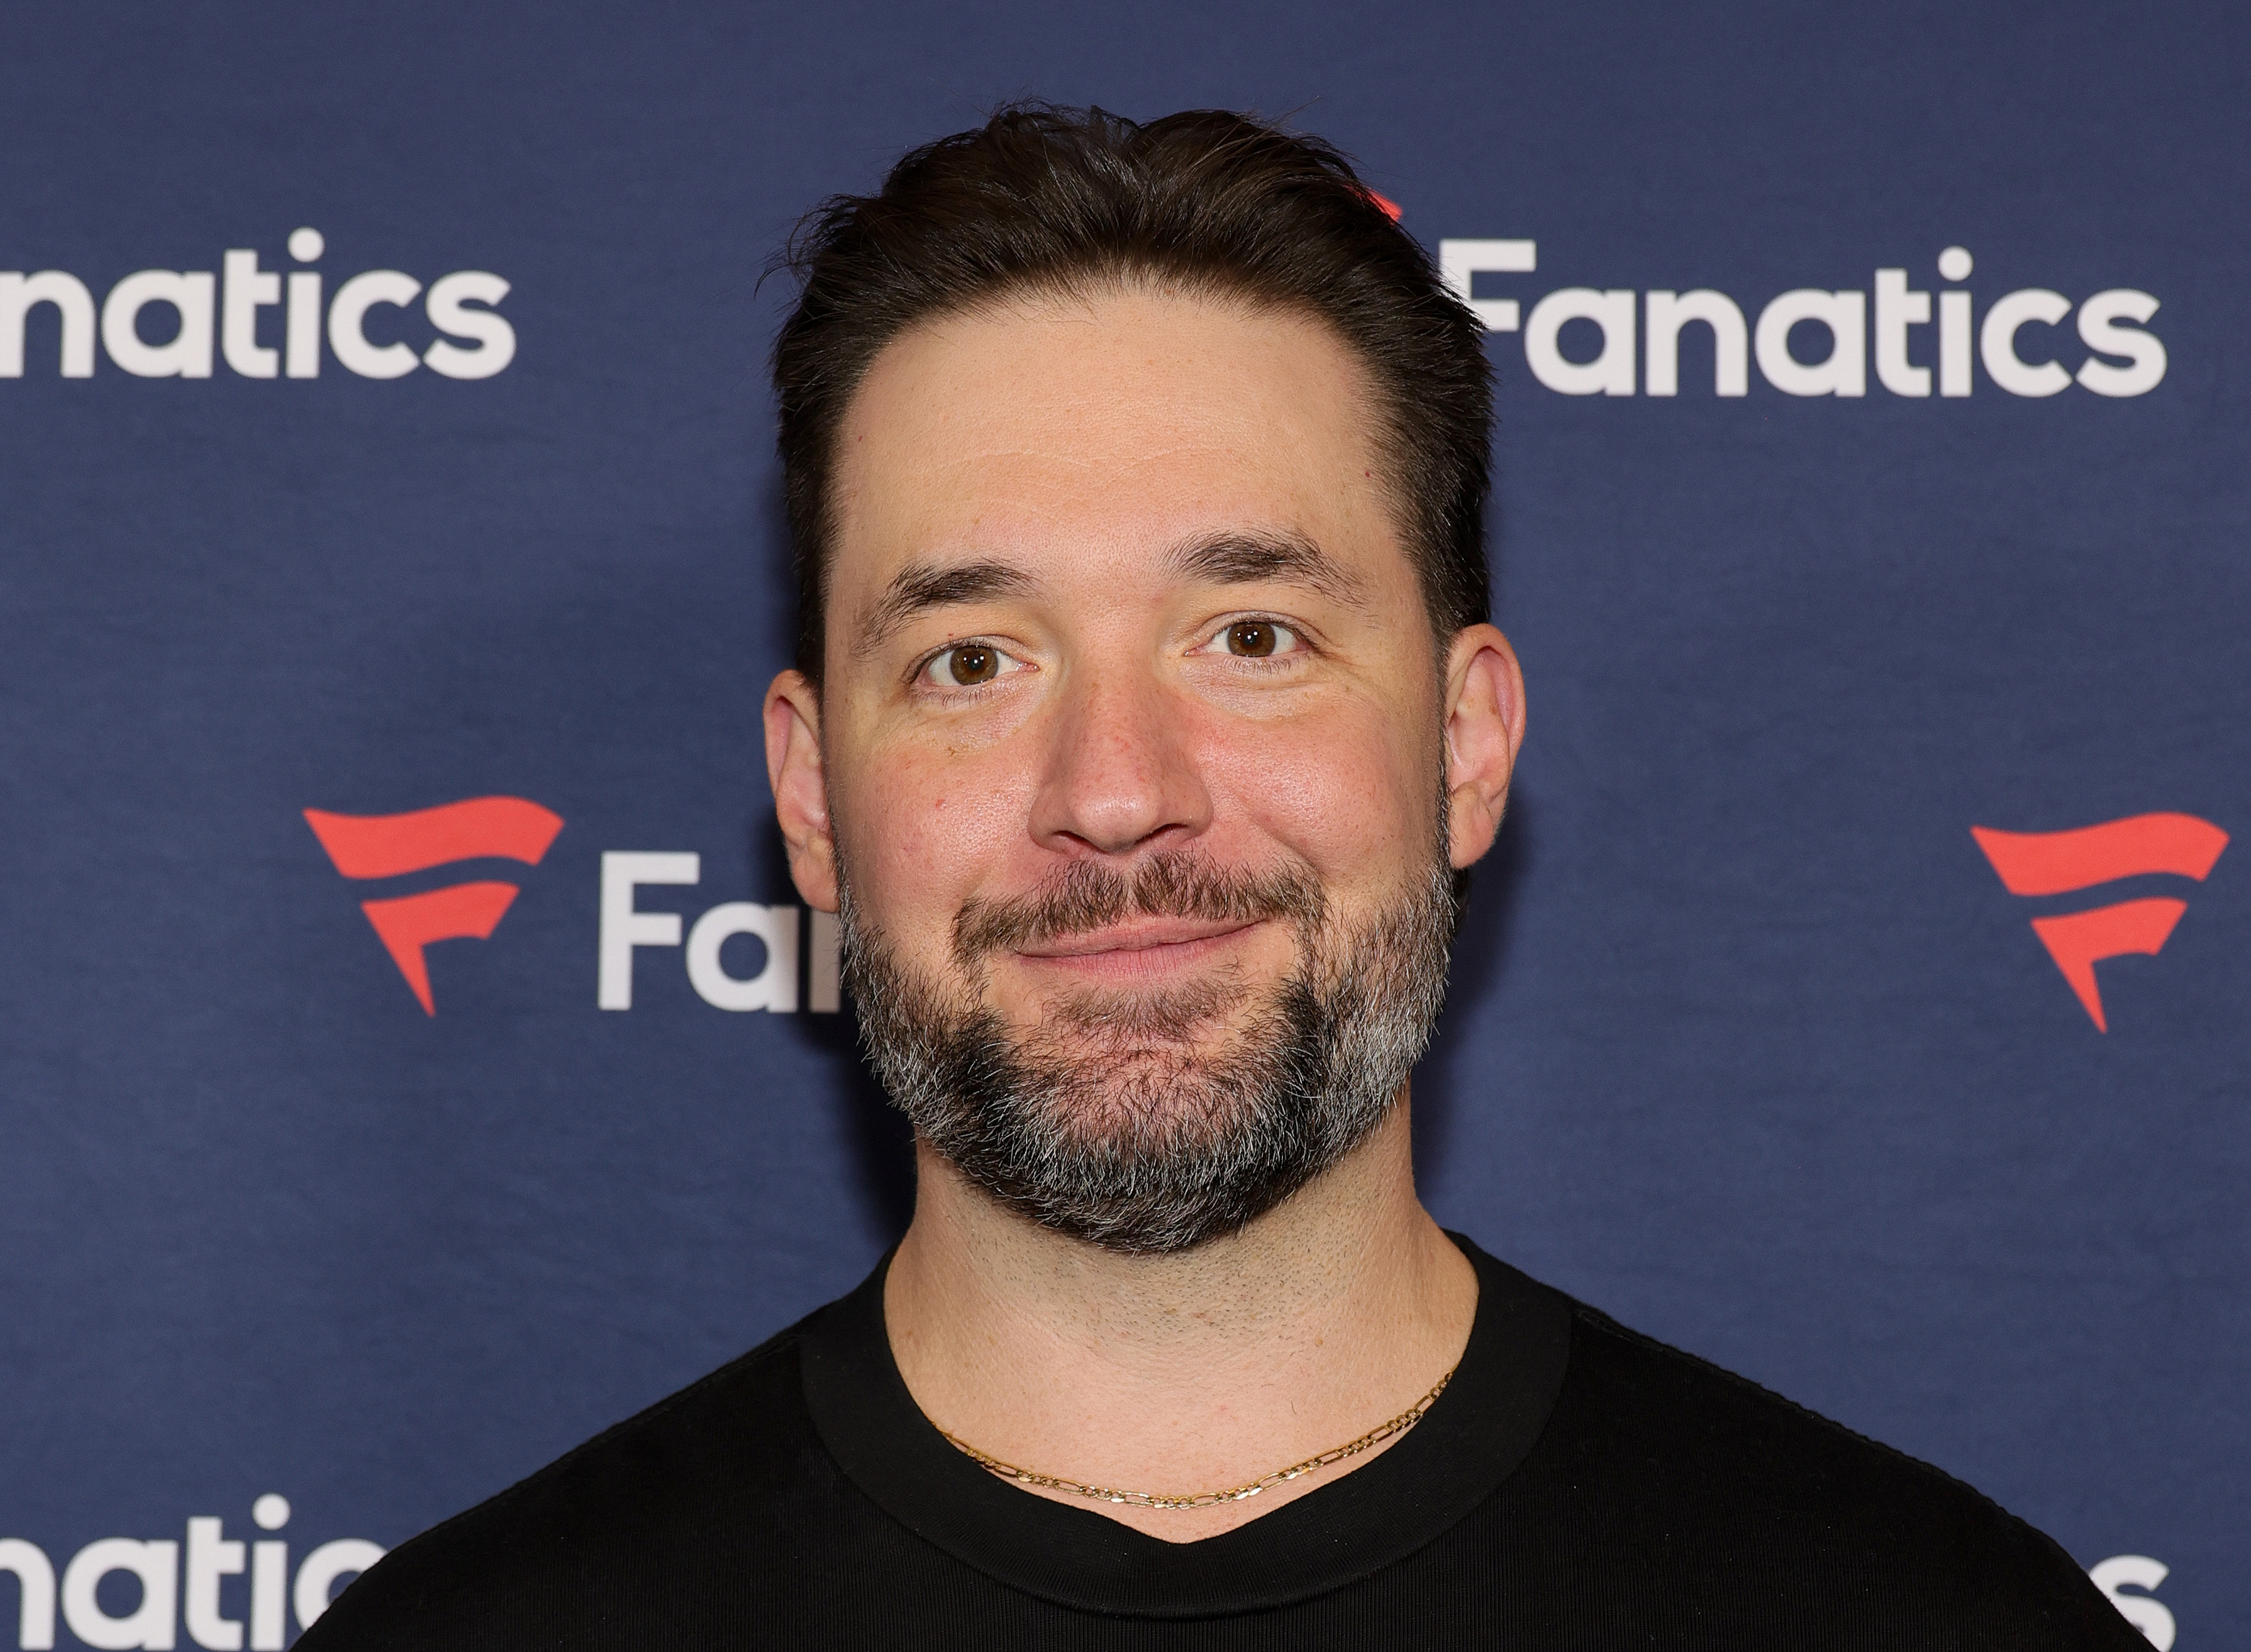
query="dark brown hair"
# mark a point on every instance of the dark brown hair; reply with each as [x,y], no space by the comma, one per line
[1040,199]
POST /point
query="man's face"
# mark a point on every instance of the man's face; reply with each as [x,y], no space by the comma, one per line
[1134,738]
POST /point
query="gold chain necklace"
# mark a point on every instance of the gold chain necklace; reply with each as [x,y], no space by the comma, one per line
[1375,1436]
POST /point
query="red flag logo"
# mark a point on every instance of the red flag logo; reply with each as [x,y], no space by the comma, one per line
[2064,862]
[389,845]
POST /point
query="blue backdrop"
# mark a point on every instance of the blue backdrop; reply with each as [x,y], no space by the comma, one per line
[1751,1043]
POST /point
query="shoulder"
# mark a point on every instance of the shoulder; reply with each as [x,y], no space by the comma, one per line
[625,1514]
[1732,1491]
[1685,1419]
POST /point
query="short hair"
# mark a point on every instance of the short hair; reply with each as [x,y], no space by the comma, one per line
[1061,202]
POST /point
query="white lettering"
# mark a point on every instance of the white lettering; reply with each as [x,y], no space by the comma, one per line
[269,1561]
[1954,265]
[2099,329]
[269,1595]
[1954,344]
[316,1578]
[152,1623]
[188,353]
[775,987]
[72,303]
[35,1578]
[303,337]
[248,290]
[171,1594]
[447,308]
[1612,371]
[1669,312]
[1897,309]
[1844,371]
[2138,1571]
[623,928]
[348,319]
[1997,343]
[210,1557]
[1461,262]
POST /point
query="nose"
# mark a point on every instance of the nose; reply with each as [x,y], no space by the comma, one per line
[1120,773]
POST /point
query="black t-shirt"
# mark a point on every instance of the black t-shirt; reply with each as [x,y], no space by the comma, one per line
[1575,1486]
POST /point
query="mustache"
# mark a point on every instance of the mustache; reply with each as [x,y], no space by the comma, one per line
[1088,895]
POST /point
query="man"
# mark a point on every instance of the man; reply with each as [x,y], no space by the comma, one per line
[1145,719]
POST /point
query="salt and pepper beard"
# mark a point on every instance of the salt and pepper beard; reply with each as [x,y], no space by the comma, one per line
[1107,1122]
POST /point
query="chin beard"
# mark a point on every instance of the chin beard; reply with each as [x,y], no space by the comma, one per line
[1148,1122]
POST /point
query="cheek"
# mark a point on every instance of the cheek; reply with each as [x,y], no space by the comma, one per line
[920,832]
[1354,793]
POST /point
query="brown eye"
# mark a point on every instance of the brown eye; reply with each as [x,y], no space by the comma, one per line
[971,664]
[1253,637]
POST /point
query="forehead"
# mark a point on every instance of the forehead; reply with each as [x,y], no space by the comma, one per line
[1083,431]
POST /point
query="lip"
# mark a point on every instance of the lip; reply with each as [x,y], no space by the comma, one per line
[1122,942]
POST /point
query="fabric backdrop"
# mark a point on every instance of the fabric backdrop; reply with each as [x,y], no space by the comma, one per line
[363,1165]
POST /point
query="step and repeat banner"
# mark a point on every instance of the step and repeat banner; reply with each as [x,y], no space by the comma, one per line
[415,1058]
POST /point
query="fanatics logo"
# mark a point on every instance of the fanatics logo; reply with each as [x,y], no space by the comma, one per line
[2064,862]
[389,845]
[472,339]
[1641,332]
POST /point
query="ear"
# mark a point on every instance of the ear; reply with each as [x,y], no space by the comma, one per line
[1484,730]
[800,787]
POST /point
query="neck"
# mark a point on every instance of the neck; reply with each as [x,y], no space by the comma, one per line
[1179,1375]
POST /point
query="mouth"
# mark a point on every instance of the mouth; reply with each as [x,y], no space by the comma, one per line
[1140,948]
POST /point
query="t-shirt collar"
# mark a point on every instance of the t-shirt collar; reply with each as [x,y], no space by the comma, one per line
[1471,1439]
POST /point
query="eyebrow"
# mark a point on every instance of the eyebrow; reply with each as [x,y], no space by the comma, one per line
[1220,559]
[918,587]
[1250,558]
